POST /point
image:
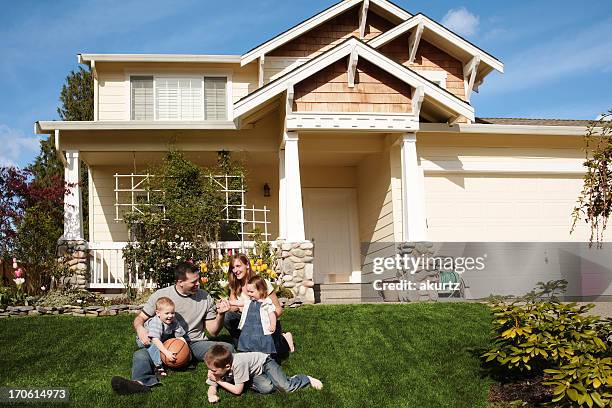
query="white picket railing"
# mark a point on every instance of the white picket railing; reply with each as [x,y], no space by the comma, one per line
[108,269]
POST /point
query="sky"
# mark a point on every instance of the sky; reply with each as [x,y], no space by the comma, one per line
[557,54]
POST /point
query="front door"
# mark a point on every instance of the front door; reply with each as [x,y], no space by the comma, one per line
[330,218]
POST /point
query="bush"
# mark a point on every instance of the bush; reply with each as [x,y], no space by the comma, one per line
[73,297]
[586,380]
[537,335]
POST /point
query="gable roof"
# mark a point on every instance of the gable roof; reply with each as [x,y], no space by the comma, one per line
[317,20]
[280,85]
[439,31]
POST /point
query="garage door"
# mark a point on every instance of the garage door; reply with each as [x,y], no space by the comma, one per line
[497,207]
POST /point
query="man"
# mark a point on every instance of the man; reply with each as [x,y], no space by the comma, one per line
[195,311]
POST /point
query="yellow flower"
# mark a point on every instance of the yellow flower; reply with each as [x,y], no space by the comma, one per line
[203,267]
[259,262]
[264,266]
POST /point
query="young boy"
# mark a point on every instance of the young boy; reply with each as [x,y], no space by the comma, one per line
[162,327]
[264,373]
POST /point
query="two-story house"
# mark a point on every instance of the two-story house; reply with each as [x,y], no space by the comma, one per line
[356,126]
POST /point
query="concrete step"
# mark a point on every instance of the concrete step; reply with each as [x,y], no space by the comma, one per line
[338,293]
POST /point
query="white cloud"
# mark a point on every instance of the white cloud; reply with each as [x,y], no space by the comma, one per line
[563,56]
[14,143]
[461,21]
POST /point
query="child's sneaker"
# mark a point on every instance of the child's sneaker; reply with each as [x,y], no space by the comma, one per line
[160,372]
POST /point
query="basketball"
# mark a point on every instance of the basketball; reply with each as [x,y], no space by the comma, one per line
[181,349]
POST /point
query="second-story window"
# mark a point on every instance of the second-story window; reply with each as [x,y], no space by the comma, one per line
[178,98]
[142,97]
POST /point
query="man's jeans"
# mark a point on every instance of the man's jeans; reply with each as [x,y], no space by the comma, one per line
[143,368]
[274,379]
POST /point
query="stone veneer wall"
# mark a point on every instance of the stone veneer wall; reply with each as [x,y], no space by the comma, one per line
[416,250]
[75,255]
[294,265]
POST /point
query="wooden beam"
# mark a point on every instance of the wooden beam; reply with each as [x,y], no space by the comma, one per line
[363,17]
[290,96]
[352,68]
[262,61]
[469,74]
[414,40]
[417,100]
[455,120]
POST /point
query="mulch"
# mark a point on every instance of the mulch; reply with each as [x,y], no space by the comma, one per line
[532,392]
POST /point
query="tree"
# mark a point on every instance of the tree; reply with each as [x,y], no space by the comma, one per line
[595,201]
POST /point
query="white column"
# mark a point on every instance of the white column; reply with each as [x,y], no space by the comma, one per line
[73,210]
[293,214]
[413,192]
[282,196]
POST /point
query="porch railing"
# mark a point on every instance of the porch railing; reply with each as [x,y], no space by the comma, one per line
[109,271]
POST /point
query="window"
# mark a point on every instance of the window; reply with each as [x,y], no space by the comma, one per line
[142,98]
[437,77]
[178,98]
[214,98]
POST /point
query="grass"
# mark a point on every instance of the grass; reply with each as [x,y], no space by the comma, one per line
[412,355]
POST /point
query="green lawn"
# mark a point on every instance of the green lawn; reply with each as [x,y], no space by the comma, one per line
[414,355]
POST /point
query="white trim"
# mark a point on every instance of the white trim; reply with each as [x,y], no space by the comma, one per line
[94,72]
[504,129]
[294,216]
[49,127]
[260,70]
[437,77]
[73,208]
[315,21]
[414,224]
[532,165]
[470,70]
[352,121]
[441,31]
[405,74]
[227,59]
[414,41]
[352,68]
[417,101]
[363,18]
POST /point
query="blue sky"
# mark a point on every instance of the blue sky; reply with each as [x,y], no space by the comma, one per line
[557,54]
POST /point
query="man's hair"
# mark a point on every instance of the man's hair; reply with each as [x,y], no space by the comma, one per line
[218,356]
[163,301]
[181,270]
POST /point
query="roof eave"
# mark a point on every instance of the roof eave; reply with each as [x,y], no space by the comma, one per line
[198,58]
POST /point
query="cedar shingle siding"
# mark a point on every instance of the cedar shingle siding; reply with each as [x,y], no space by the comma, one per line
[332,33]
[428,58]
[375,91]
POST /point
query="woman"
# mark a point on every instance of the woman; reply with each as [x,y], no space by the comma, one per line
[239,274]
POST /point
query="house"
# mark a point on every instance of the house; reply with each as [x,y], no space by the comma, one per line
[357,122]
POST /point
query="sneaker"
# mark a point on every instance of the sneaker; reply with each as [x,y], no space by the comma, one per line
[160,372]
[123,386]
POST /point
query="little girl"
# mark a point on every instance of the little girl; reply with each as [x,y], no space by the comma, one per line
[258,320]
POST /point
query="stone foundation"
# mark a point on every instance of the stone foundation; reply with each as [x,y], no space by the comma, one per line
[75,255]
[416,250]
[295,267]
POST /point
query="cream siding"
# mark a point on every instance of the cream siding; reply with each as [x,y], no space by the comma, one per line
[113,80]
[103,226]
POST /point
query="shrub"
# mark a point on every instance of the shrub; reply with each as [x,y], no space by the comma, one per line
[585,380]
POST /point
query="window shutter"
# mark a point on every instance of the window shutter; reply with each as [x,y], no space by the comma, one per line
[142,98]
[215,98]
[179,98]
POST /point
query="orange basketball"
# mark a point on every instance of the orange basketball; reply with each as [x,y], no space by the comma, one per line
[181,349]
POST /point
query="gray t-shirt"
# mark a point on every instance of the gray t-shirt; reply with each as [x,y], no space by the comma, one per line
[247,365]
[191,311]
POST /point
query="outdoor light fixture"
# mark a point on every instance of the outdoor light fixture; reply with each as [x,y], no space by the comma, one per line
[266,190]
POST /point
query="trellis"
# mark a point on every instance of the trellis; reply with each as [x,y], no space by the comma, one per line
[131,192]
